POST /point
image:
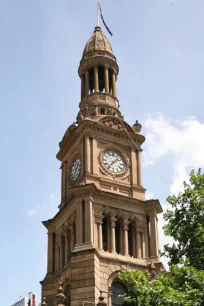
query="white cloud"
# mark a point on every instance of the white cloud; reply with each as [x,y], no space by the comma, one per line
[149,195]
[163,239]
[182,139]
[52,197]
[31,212]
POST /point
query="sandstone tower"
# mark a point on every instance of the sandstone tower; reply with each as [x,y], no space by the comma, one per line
[104,222]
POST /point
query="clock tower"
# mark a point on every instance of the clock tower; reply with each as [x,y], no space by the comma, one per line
[104,223]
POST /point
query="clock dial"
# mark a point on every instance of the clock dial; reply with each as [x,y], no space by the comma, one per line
[76,169]
[113,162]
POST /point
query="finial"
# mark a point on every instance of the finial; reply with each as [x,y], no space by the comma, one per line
[44,303]
[101,298]
[137,127]
[60,296]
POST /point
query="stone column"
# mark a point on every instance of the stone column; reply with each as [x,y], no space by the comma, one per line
[146,241]
[62,183]
[106,79]
[96,84]
[65,179]
[66,248]
[82,87]
[143,246]
[56,254]
[88,155]
[99,222]
[109,299]
[100,236]
[114,85]
[112,224]
[139,168]
[61,253]
[122,252]
[95,164]
[89,221]
[95,232]
[79,222]
[153,236]
[125,229]
[134,241]
[87,83]
[139,249]
[98,229]
[49,253]
[134,166]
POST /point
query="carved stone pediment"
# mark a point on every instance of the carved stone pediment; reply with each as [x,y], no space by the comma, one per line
[116,123]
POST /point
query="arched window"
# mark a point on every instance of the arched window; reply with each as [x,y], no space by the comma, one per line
[105,233]
[118,289]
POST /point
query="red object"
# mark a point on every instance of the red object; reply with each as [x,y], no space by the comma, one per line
[33,299]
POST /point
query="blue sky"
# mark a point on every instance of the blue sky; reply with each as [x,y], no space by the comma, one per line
[159,47]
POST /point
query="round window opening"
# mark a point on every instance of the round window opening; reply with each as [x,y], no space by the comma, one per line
[118,290]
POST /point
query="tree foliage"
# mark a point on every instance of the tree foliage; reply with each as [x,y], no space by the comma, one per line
[181,286]
[185,223]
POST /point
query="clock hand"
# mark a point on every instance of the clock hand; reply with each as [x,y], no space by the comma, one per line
[111,163]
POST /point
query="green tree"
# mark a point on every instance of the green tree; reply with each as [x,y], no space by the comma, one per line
[185,223]
[181,286]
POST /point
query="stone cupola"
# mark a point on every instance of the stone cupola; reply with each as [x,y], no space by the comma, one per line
[98,71]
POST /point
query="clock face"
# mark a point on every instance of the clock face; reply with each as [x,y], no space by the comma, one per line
[76,169]
[113,162]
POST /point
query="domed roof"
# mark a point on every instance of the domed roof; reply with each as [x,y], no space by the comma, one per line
[97,42]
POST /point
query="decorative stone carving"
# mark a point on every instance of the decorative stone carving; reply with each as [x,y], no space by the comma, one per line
[80,116]
[98,209]
[101,300]
[44,303]
[61,298]
[86,112]
[114,124]
[97,42]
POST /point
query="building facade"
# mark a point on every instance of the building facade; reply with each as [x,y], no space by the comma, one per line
[29,300]
[104,223]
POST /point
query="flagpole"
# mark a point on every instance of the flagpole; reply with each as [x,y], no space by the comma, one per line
[98,14]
